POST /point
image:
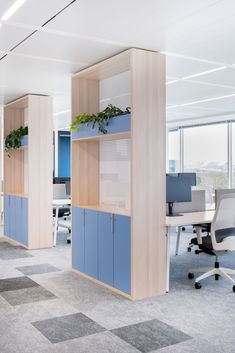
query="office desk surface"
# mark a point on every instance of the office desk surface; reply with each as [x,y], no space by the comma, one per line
[190,218]
[61,202]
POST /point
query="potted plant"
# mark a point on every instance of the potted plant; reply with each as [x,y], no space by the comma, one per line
[100,120]
[14,139]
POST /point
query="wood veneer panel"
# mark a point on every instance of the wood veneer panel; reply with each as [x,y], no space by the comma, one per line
[148,241]
[40,171]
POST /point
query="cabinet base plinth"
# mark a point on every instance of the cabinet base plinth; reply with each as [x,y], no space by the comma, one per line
[117,291]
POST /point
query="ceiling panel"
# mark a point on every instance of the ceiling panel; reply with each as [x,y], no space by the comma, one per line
[67,48]
[180,67]
[10,36]
[110,19]
[223,77]
[34,73]
[36,12]
[184,92]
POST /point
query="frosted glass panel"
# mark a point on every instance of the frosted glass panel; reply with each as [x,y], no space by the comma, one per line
[115,173]
[115,90]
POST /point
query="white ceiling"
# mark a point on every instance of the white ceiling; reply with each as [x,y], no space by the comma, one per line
[195,35]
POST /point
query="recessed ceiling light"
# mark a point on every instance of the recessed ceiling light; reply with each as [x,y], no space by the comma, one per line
[208,100]
[170,82]
[204,72]
[10,12]
[62,112]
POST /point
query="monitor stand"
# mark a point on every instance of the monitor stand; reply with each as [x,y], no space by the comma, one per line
[170,210]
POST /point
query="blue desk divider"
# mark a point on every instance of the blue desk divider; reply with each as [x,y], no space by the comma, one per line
[24,140]
[116,125]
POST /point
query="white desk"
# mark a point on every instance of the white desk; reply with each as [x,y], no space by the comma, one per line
[57,204]
[192,218]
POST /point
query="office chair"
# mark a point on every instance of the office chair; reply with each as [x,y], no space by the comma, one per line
[220,241]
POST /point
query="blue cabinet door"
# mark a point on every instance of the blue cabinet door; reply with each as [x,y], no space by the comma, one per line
[24,221]
[105,247]
[6,214]
[91,243]
[18,219]
[122,253]
[78,242]
[12,217]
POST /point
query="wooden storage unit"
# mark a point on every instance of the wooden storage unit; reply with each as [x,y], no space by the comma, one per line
[28,173]
[126,247]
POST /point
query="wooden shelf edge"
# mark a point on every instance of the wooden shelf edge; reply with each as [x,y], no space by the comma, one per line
[105,137]
[102,284]
[108,209]
[15,194]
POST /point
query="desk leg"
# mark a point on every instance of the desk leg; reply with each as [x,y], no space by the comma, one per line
[199,234]
[177,241]
[168,254]
[56,225]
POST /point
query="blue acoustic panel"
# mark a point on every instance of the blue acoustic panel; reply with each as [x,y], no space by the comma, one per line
[105,247]
[122,253]
[91,243]
[24,140]
[6,215]
[78,242]
[116,125]
[24,221]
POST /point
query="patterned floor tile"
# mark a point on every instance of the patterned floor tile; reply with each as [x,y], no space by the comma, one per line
[67,327]
[27,295]
[11,284]
[150,335]
[13,252]
[37,269]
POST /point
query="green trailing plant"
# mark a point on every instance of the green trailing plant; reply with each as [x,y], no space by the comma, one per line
[100,120]
[13,140]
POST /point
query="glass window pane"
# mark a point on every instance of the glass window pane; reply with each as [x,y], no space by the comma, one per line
[174,151]
[205,152]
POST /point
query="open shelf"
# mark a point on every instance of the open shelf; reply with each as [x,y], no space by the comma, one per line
[138,240]
[28,172]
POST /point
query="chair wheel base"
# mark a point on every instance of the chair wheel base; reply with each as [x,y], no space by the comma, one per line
[190,275]
[198,285]
[189,249]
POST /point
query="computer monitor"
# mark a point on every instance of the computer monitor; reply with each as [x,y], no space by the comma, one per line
[60,180]
[178,189]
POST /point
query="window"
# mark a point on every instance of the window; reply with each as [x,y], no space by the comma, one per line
[174,151]
[205,152]
[233,155]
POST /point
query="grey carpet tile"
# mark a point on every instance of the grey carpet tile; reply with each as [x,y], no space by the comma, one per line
[14,252]
[27,295]
[12,284]
[67,327]
[150,335]
[4,245]
[37,269]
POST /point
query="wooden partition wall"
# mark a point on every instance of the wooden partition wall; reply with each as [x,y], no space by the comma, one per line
[28,173]
[147,134]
